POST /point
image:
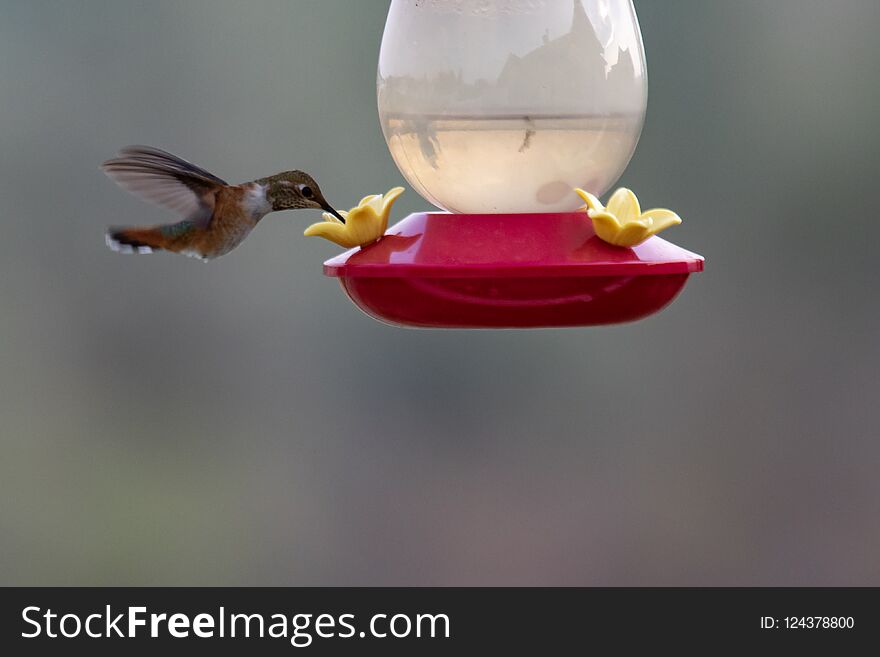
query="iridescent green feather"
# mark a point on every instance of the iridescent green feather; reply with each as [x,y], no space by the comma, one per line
[175,231]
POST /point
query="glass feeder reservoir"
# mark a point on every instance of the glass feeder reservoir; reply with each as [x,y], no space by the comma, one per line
[509,105]
[495,111]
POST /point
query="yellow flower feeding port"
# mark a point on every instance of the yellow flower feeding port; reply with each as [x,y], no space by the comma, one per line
[623,223]
[363,225]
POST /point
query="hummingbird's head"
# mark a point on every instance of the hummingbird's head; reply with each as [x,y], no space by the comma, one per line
[291,190]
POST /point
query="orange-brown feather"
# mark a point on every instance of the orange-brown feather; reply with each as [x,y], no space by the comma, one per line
[230,224]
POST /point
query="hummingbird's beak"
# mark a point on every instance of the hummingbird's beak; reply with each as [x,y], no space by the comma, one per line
[330,209]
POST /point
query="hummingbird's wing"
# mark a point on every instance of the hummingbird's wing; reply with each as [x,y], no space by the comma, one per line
[166,180]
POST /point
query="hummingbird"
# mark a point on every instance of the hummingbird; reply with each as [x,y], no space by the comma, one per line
[216,216]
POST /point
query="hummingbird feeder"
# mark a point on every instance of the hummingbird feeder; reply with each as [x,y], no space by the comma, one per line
[498,111]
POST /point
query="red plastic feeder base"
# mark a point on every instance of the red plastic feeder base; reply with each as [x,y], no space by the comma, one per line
[436,270]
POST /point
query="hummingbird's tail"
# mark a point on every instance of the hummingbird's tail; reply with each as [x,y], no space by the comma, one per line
[171,237]
[135,240]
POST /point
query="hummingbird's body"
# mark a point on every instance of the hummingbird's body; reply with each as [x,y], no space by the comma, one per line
[218,216]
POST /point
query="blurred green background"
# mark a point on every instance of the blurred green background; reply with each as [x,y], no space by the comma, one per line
[168,422]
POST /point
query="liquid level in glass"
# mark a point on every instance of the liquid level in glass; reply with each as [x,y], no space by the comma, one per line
[511,164]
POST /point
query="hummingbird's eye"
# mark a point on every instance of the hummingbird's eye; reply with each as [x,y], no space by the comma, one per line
[306,191]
